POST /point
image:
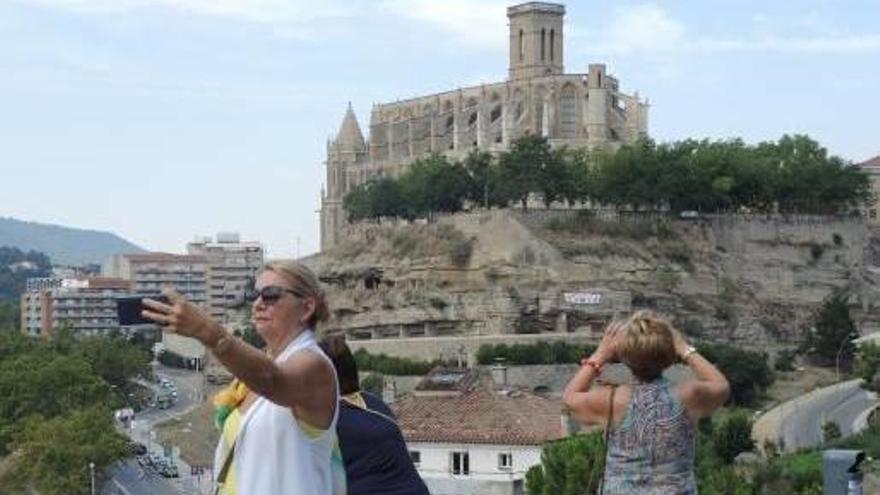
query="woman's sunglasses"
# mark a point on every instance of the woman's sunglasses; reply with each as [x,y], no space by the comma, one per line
[270,294]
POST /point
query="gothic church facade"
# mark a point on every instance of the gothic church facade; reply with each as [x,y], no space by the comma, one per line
[575,110]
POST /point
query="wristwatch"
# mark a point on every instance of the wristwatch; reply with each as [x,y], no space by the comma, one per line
[690,350]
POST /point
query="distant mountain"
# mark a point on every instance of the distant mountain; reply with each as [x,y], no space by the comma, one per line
[63,245]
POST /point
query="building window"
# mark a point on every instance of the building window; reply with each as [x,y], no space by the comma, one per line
[568,120]
[543,42]
[505,461]
[461,463]
[416,457]
[872,213]
[552,43]
[522,50]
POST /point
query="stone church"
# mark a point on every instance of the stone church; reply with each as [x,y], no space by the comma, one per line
[538,97]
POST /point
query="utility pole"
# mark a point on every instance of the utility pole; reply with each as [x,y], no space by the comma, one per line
[92,475]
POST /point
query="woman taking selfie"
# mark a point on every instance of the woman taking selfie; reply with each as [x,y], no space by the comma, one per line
[278,417]
[650,424]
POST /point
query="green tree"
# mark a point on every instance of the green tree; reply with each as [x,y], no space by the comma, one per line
[833,331]
[747,372]
[48,384]
[114,359]
[530,166]
[54,453]
[10,316]
[571,466]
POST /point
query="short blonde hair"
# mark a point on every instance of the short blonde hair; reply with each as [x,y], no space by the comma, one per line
[648,346]
[303,280]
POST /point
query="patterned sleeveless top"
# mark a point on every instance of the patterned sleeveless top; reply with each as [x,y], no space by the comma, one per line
[651,452]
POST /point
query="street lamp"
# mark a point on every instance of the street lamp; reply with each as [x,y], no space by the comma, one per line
[92,476]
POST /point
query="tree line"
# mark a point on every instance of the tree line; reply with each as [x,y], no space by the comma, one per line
[791,175]
[56,413]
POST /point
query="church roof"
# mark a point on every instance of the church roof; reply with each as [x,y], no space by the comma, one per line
[350,136]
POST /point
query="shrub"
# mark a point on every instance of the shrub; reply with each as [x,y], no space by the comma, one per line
[389,365]
[830,431]
[460,251]
[732,437]
[667,278]
[537,353]
[747,372]
[373,383]
[785,360]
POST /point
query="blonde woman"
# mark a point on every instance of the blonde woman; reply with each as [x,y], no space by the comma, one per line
[278,418]
[651,423]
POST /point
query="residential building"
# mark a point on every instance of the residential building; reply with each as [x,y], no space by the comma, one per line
[232,266]
[85,305]
[470,435]
[576,110]
[152,272]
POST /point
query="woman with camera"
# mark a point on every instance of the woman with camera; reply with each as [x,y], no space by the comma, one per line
[278,418]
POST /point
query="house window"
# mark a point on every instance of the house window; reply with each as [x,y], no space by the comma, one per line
[416,457]
[505,461]
[872,213]
[461,463]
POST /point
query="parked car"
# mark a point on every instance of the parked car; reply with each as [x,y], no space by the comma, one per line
[138,448]
[689,215]
[169,470]
[155,460]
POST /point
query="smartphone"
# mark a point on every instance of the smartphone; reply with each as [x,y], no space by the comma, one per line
[128,308]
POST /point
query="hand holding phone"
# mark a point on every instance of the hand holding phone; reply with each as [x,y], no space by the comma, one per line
[129,308]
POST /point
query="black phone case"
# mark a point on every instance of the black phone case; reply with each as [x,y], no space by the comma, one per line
[128,309]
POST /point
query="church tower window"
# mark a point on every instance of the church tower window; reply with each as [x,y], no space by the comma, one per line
[522,48]
[543,43]
[552,43]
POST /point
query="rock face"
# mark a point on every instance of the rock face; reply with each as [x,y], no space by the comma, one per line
[445,286]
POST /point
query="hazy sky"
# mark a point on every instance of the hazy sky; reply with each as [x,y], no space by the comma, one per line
[163,119]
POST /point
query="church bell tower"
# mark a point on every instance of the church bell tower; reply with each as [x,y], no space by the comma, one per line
[535,39]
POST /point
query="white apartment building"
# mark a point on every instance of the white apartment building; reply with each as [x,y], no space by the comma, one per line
[85,305]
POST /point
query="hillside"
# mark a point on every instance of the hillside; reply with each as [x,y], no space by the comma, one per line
[505,275]
[63,245]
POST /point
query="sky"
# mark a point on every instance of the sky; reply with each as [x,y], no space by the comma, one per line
[160,120]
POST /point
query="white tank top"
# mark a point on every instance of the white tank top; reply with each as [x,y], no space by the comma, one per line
[273,455]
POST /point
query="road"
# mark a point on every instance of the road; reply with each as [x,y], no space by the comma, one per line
[128,478]
[798,423]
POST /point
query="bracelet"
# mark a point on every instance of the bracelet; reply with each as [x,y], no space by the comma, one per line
[592,363]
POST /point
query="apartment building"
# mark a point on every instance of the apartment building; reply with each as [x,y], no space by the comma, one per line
[85,305]
[232,266]
[152,272]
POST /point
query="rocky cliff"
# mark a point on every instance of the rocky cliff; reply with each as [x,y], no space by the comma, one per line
[505,275]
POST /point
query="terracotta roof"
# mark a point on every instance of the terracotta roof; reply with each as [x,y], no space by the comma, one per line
[480,415]
[154,257]
[350,136]
[873,162]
